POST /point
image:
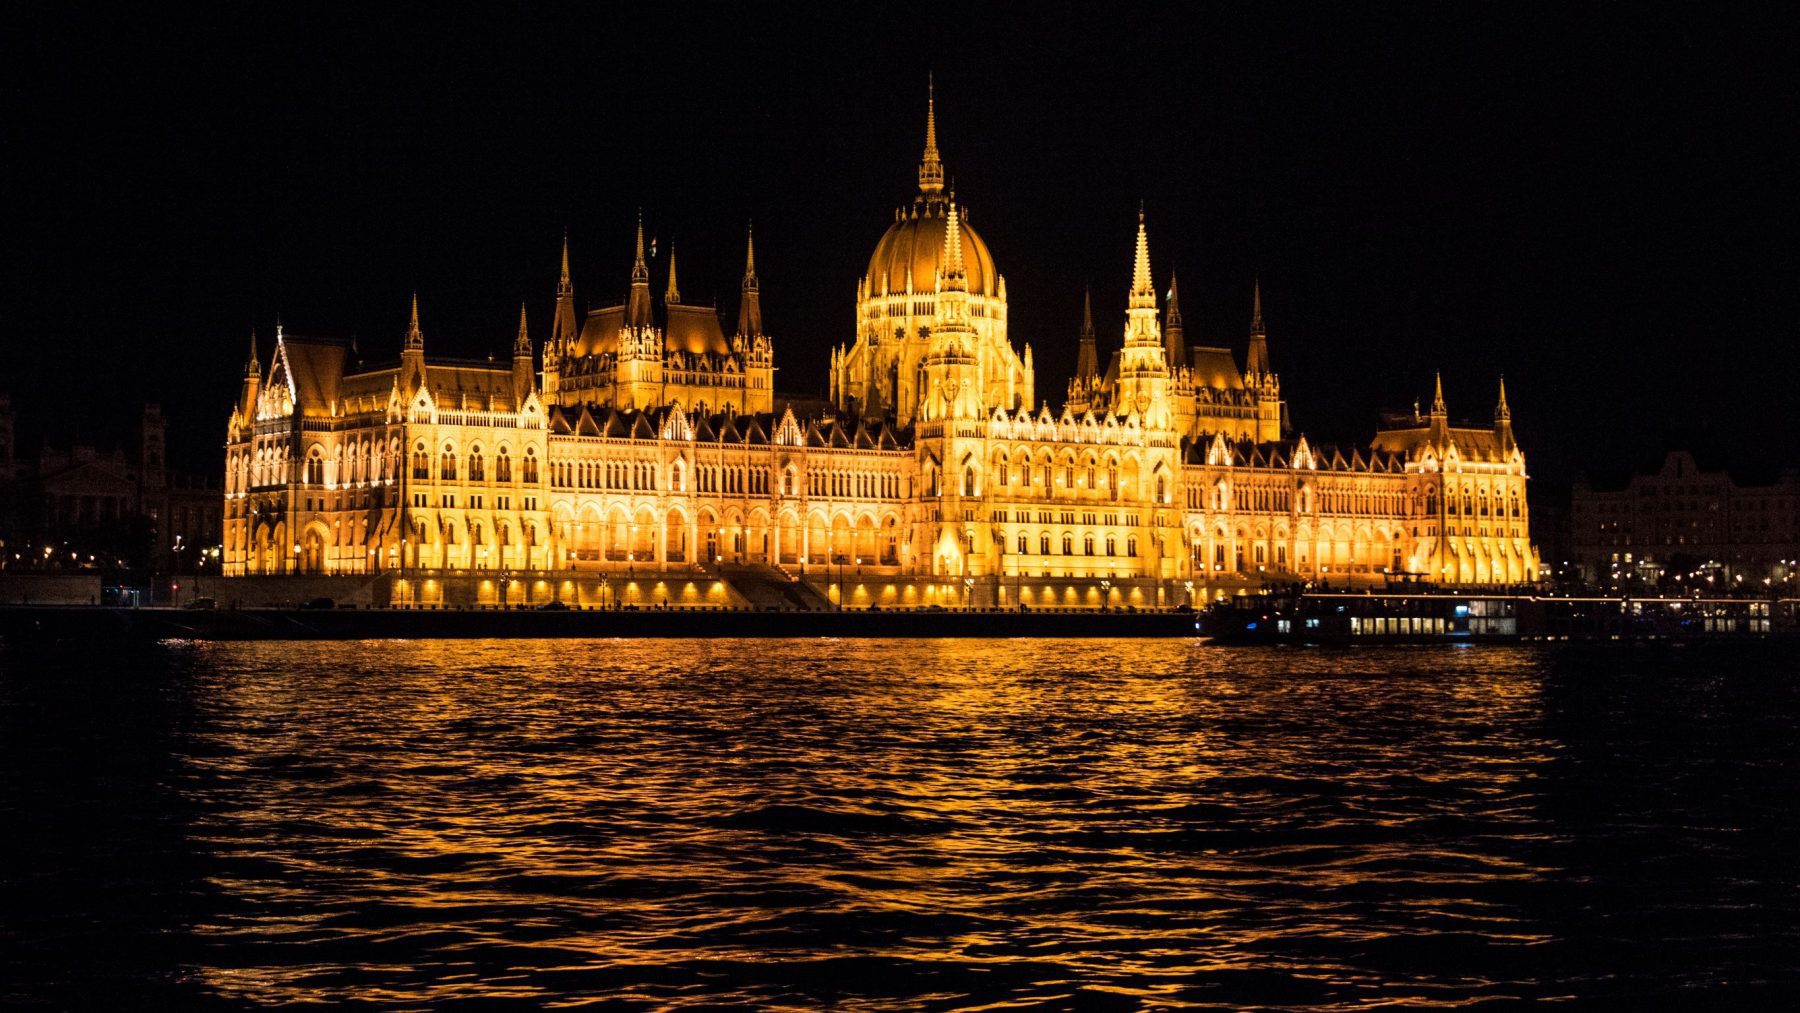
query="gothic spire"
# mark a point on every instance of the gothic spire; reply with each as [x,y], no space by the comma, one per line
[1143,293]
[1087,358]
[637,306]
[415,338]
[931,168]
[1173,344]
[639,270]
[954,276]
[673,295]
[253,366]
[562,325]
[522,343]
[750,299]
[1501,412]
[1257,362]
[1437,400]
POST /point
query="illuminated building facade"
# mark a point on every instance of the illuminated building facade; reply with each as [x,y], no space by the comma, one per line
[647,444]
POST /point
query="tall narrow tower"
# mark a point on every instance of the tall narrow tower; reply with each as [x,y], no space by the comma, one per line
[521,363]
[1143,385]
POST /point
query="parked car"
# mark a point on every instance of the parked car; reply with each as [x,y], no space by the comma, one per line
[553,606]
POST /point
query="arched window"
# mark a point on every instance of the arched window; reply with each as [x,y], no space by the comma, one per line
[1131,546]
[1162,491]
[315,469]
[1112,547]
[1090,476]
[1024,544]
[421,468]
[531,466]
[1087,545]
[503,466]
[447,464]
[477,468]
[1068,545]
[968,481]
[1044,544]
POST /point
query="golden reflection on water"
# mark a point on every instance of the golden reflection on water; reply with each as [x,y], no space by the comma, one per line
[527,819]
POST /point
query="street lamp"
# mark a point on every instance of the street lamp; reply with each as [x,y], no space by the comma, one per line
[1105,595]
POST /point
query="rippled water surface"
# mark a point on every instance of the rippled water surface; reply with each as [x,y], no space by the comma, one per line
[898,825]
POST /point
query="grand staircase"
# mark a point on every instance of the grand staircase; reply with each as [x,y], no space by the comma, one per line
[766,587]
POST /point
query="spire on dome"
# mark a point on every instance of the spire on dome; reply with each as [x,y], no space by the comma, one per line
[565,262]
[1256,323]
[1087,312]
[931,168]
[1143,293]
[253,366]
[673,295]
[750,251]
[1437,401]
[954,276]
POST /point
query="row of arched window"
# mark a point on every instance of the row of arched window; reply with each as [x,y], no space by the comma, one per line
[473,469]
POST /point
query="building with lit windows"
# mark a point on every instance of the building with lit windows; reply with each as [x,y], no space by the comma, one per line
[1686,526]
[644,455]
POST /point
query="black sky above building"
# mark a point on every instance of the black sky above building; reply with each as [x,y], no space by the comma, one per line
[1598,202]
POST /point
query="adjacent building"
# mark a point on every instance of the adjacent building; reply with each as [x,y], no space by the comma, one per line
[1686,525]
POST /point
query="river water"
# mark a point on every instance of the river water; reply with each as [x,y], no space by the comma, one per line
[928,824]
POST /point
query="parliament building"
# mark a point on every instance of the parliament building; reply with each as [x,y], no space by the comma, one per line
[642,454]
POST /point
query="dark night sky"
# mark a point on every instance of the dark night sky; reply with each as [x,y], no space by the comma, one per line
[1599,204]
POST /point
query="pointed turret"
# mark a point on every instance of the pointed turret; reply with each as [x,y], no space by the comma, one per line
[1142,292]
[563,287]
[1174,344]
[521,362]
[673,295]
[562,326]
[1503,434]
[955,275]
[637,306]
[252,382]
[1438,408]
[412,355]
[415,338]
[1087,359]
[931,167]
[750,300]
[1257,362]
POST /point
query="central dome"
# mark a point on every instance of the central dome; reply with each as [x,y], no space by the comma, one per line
[916,241]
